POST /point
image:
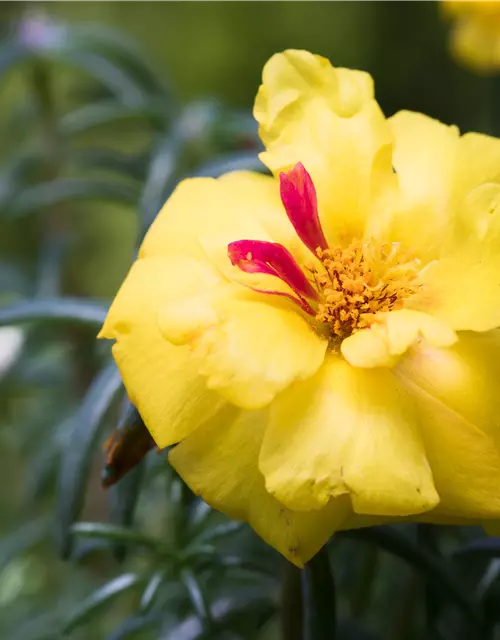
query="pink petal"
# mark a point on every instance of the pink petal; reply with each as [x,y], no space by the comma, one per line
[258,256]
[299,199]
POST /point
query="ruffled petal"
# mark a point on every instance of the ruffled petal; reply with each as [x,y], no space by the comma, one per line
[462,288]
[256,350]
[424,158]
[393,334]
[328,120]
[219,462]
[457,393]
[162,380]
[478,161]
[347,431]
[237,206]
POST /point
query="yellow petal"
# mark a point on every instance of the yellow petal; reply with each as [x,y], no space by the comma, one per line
[457,394]
[219,462]
[391,335]
[478,161]
[257,350]
[352,431]
[154,283]
[368,348]
[328,120]
[424,159]
[405,327]
[162,380]
[462,288]
[237,206]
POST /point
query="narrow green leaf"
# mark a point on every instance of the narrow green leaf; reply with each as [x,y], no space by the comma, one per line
[109,160]
[108,112]
[106,72]
[127,53]
[48,194]
[212,534]
[151,591]
[25,537]
[318,598]
[198,599]
[129,628]
[80,311]
[162,176]
[122,500]
[123,479]
[76,458]
[114,533]
[391,540]
[484,548]
[99,598]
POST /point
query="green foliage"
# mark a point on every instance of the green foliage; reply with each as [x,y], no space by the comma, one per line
[97,142]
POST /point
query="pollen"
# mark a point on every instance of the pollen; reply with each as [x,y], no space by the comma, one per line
[358,281]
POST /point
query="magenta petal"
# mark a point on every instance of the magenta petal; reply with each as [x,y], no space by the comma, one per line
[258,256]
[299,199]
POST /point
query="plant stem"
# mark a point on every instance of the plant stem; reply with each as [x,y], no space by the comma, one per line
[318,598]
[291,604]
[360,600]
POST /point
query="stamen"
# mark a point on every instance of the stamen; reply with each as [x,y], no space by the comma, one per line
[359,281]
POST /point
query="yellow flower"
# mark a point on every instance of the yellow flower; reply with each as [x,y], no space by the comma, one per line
[323,344]
[475,37]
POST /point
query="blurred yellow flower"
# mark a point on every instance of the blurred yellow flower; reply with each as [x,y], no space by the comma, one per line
[475,36]
[323,344]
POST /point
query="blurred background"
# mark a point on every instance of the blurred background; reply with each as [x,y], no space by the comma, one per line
[105,107]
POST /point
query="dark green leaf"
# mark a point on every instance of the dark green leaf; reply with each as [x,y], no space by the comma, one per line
[48,194]
[483,548]
[80,311]
[318,598]
[108,112]
[116,534]
[151,590]
[109,160]
[162,176]
[124,51]
[123,498]
[391,540]
[212,534]
[124,491]
[198,600]
[76,458]
[99,598]
[130,627]
[105,71]
[22,539]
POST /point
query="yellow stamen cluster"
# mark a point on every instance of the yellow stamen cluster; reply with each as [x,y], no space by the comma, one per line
[359,281]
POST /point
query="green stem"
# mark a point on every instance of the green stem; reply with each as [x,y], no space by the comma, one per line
[427,540]
[291,613]
[318,598]
[360,600]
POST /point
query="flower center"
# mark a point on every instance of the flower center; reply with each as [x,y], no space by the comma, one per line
[358,281]
[347,286]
